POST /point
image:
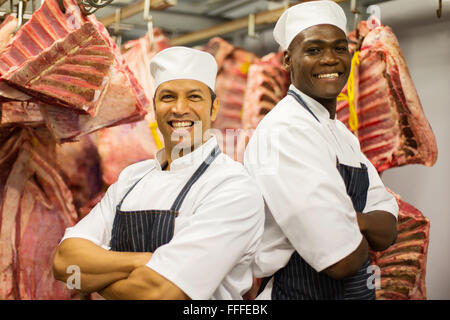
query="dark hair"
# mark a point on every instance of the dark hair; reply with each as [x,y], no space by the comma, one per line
[213,98]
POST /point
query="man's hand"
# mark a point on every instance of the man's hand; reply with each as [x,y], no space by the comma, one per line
[379,228]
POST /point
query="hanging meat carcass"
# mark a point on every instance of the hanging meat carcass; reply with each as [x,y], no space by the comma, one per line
[230,88]
[267,84]
[79,165]
[403,265]
[7,29]
[126,144]
[36,208]
[71,66]
[13,113]
[220,49]
[393,130]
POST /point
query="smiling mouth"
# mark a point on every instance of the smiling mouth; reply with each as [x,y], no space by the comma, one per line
[185,124]
[333,75]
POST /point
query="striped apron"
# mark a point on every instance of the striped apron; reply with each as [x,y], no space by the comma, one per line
[146,230]
[299,281]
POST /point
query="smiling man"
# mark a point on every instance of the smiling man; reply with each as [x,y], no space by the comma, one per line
[183,226]
[325,203]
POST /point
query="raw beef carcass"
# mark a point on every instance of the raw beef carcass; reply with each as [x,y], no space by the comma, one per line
[403,265]
[84,211]
[230,89]
[7,29]
[79,166]
[36,208]
[267,84]
[69,63]
[393,130]
[138,54]
[220,49]
[126,144]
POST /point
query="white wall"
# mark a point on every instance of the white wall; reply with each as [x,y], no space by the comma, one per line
[426,48]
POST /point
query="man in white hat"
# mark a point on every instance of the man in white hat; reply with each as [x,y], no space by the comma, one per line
[325,202]
[185,225]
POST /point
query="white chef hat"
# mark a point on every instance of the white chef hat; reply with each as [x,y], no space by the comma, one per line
[304,15]
[183,63]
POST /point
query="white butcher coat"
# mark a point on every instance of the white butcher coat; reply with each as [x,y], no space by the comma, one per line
[292,158]
[219,225]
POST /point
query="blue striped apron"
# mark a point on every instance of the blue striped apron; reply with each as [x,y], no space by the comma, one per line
[299,281]
[146,230]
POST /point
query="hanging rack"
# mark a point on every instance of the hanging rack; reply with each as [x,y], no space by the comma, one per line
[356,13]
[117,34]
[439,10]
[261,18]
[251,25]
[148,17]
[87,6]
[21,6]
[136,8]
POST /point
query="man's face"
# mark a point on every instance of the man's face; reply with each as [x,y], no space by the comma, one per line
[182,109]
[319,61]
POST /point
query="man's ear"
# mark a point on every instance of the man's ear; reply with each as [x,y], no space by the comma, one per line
[287,60]
[215,109]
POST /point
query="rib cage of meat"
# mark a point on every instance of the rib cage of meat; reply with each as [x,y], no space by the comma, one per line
[230,88]
[72,67]
[267,84]
[231,84]
[74,73]
[403,265]
[393,130]
[220,49]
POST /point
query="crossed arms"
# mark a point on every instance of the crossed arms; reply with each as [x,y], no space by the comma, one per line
[114,275]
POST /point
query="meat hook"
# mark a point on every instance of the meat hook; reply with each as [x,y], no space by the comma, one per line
[439,10]
[21,6]
[148,17]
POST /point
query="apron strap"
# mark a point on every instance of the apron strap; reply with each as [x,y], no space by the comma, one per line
[197,174]
[132,187]
[302,103]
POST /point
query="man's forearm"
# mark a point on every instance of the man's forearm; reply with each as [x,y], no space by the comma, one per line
[143,284]
[379,228]
[351,264]
[98,267]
